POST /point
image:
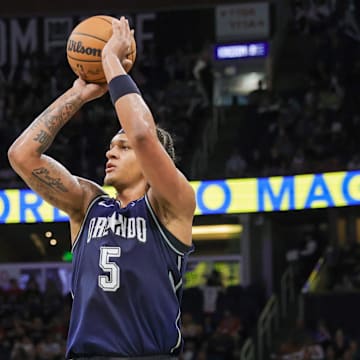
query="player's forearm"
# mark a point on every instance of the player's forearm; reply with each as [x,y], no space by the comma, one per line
[40,134]
[133,113]
[112,66]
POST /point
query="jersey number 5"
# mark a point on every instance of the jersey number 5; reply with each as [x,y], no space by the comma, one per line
[111,281]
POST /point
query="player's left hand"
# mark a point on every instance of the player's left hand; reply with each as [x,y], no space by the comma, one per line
[89,91]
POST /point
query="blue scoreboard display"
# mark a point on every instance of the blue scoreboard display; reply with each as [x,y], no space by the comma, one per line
[241,51]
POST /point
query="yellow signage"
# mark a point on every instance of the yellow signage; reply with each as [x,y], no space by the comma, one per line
[280,193]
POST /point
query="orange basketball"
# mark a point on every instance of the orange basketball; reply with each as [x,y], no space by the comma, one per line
[85,44]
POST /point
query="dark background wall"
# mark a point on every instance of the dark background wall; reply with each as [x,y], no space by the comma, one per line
[44,7]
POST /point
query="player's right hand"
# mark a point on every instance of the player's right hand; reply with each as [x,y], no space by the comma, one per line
[89,91]
[120,41]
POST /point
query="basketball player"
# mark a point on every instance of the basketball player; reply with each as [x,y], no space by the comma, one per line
[129,253]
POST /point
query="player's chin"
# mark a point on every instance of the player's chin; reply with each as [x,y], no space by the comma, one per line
[108,180]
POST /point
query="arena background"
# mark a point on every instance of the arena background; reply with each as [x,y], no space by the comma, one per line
[288,258]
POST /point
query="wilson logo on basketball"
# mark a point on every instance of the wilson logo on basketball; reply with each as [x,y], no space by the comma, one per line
[78,47]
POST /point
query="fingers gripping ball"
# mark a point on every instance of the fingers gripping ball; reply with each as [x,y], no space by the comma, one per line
[85,44]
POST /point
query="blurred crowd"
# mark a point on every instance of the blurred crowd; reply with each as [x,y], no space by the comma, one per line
[343,269]
[309,129]
[306,129]
[319,343]
[215,320]
[174,87]
[33,324]
[313,127]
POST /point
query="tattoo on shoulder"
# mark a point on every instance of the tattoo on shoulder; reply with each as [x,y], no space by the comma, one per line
[43,175]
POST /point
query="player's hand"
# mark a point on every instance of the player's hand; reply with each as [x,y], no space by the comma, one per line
[89,91]
[119,43]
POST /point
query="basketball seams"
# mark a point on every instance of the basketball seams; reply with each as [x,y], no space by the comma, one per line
[101,80]
[88,35]
[83,60]
[128,56]
[104,18]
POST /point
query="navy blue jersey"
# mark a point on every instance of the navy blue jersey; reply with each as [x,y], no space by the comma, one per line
[126,283]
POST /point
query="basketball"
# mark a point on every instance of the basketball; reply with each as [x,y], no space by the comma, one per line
[85,44]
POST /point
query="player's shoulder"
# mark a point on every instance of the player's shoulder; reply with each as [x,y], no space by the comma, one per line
[91,190]
[90,186]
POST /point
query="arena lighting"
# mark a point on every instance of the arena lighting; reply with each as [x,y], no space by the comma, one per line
[241,51]
[216,232]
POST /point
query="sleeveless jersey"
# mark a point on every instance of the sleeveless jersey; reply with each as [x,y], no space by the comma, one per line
[126,283]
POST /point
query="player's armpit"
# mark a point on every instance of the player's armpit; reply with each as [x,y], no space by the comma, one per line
[175,209]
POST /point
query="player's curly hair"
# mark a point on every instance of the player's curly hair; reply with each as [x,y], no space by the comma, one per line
[165,139]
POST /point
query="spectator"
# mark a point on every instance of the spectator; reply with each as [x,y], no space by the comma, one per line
[191,330]
[230,325]
[235,165]
[354,349]
[23,349]
[340,343]
[322,334]
[211,291]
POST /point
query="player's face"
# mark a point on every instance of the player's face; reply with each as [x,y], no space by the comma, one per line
[122,167]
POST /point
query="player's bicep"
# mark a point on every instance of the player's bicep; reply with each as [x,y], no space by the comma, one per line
[54,183]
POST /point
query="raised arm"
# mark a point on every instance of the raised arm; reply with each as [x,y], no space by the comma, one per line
[47,177]
[170,192]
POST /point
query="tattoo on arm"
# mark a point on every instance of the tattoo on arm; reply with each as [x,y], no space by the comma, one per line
[44,139]
[43,175]
[38,121]
[54,118]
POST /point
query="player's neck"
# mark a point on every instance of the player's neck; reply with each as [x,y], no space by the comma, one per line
[129,194]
